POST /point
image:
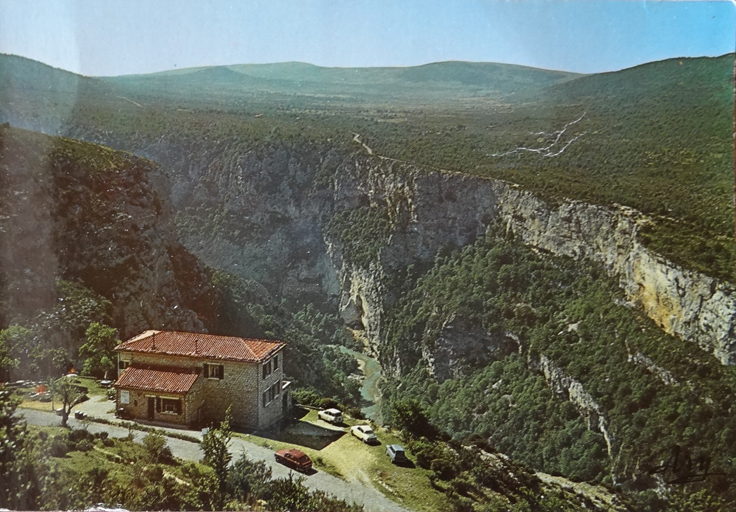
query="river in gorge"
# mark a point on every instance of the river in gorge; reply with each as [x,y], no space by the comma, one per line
[369,392]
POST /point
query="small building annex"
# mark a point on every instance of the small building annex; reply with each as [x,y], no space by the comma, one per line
[190,379]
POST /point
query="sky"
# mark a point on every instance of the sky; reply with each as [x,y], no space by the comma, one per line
[117,37]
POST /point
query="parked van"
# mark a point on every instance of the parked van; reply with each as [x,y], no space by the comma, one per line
[333,416]
[396,453]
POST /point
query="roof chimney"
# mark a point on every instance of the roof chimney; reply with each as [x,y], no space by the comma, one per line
[196,346]
[153,339]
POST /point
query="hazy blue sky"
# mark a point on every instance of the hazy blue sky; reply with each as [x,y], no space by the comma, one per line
[114,37]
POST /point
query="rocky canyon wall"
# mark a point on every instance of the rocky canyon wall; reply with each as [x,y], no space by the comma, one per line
[433,209]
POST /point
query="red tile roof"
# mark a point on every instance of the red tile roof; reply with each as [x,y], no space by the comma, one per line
[165,380]
[202,346]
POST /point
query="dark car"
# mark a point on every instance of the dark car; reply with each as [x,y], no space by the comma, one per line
[396,452]
[296,459]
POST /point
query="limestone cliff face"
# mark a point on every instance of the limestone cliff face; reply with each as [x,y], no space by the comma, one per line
[428,211]
[361,297]
[254,213]
[683,302]
[432,209]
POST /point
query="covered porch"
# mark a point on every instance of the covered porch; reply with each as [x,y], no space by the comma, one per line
[158,395]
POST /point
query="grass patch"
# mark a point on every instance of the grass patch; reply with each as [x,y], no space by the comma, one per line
[350,459]
[94,392]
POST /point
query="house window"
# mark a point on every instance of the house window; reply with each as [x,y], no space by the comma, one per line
[122,365]
[271,366]
[214,371]
[271,393]
[171,405]
[267,369]
[124,396]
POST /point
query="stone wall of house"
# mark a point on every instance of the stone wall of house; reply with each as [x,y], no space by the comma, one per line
[194,403]
[272,412]
[138,407]
[237,390]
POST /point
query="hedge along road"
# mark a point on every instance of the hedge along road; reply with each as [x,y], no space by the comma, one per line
[353,491]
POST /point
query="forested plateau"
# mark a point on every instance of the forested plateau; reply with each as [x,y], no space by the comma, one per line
[541,261]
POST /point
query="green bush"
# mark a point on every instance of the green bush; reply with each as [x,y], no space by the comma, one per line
[444,469]
[355,413]
[327,403]
[306,397]
[155,444]
[425,452]
[59,446]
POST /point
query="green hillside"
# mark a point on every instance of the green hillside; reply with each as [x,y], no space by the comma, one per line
[85,237]
[575,317]
[16,72]
[656,137]
[255,174]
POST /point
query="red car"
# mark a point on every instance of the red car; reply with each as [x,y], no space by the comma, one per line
[296,459]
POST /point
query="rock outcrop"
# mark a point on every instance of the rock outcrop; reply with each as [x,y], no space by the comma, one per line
[567,388]
[683,302]
[462,345]
[84,213]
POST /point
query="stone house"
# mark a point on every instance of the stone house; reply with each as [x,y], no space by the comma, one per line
[190,379]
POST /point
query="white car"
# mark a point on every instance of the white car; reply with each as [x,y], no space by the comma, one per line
[333,416]
[364,433]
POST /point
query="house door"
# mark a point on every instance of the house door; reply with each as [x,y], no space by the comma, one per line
[151,407]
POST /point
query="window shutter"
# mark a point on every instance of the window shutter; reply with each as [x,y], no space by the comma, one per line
[206,370]
[276,362]
[158,404]
[178,407]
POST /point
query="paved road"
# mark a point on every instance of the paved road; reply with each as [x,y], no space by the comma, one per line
[354,492]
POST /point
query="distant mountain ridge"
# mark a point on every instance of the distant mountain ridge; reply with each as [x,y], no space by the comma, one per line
[446,80]
[469,73]
[443,79]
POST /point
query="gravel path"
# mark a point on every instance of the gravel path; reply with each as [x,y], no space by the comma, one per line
[354,492]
